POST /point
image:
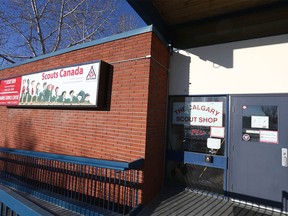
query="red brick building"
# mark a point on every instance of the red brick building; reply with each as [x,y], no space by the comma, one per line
[133,127]
[211,117]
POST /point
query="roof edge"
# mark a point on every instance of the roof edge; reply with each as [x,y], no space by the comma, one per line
[111,38]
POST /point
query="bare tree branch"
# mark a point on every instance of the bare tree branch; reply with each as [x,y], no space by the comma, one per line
[7,59]
[34,27]
[22,35]
[37,21]
[74,9]
[59,35]
[45,7]
[94,31]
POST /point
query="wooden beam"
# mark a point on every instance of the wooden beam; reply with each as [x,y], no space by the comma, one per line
[255,24]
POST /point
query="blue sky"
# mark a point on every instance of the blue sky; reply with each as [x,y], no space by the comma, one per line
[124,8]
[128,9]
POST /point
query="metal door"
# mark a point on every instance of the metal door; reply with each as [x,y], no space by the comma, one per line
[258,170]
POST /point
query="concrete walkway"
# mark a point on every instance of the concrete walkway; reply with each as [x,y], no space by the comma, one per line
[187,202]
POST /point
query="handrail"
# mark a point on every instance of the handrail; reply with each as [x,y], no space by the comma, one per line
[110,185]
[115,165]
[13,202]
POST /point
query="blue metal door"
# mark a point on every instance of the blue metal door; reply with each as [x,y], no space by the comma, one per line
[258,169]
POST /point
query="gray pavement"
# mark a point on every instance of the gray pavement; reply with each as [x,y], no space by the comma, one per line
[191,202]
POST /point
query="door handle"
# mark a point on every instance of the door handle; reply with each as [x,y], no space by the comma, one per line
[284,157]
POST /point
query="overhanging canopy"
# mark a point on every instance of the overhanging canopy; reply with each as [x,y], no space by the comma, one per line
[193,23]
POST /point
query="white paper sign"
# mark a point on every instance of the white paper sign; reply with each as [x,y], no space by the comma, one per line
[213,143]
[198,113]
[259,122]
[269,136]
[217,132]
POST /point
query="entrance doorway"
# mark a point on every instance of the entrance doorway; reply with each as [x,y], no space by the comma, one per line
[258,169]
[196,151]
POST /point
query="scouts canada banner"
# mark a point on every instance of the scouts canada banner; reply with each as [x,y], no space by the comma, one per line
[74,85]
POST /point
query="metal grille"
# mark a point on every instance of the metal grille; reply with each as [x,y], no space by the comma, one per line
[197,177]
[108,188]
[6,211]
[204,178]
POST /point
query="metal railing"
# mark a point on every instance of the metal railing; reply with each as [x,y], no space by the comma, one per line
[110,185]
[12,204]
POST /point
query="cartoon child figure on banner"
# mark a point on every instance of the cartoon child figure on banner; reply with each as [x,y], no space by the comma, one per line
[55,95]
[23,91]
[33,95]
[62,97]
[27,91]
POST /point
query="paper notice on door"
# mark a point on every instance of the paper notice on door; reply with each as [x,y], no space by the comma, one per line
[218,132]
[269,136]
[259,122]
[213,143]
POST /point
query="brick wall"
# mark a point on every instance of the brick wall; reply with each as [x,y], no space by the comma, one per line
[133,128]
[156,120]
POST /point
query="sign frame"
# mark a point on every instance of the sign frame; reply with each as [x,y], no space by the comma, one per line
[101,81]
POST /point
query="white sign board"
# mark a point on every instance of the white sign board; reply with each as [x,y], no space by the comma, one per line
[198,113]
[217,132]
[213,143]
[269,136]
[259,122]
[74,85]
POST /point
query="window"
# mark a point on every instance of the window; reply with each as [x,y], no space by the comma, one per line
[260,124]
[195,122]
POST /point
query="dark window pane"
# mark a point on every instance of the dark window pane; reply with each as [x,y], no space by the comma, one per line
[191,122]
[260,123]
